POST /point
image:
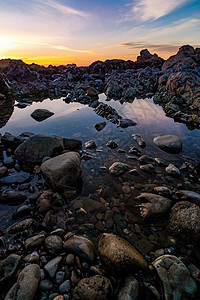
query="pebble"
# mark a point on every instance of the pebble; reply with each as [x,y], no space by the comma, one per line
[65,287]
[52,266]
[46,285]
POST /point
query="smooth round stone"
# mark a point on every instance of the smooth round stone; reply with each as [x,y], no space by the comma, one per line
[126,189]
[8,267]
[52,266]
[20,226]
[65,287]
[169,143]
[53,296]
[173,170]
[32,258]
[70,259]
[60,277]
[118,168]
[3,172]
[43,297]
[34,241]
[53,244]
[46,285]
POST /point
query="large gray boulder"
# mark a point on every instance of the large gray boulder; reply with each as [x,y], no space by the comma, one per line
[62,171]
[34,149]
[169,143]
[26,285]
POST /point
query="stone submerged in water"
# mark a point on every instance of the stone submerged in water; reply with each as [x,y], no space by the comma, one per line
[173,170]
[118,168]
[26,284]
[96,287]
[124,123]
[169,143]
[175,277]
[62,172]
[41,114]
[184,221]
[18,178]
[119,257]
[100,126]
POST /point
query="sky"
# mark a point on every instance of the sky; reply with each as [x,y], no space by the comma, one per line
[82,31]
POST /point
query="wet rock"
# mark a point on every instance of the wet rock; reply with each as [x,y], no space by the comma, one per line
[41,114]
[34,241]
[22,211]
[35,148]
[52,266]
[118,168]
[118,256]
[44,201]
[8,267]
[53,244]
[82,247]
[190,196]
[3,172]
[63,171]
[100,126]
[146,159]
[60,276]
[91,92]
[129,289]
[18,178]
[65,287]
[20,226]
[148,168]
[173,170]
[153,205]
[112,144]
[139,140]
[175,277]
[46,285]
[90,145]
[12,198]
[96,287]
[184,221]
[169,143]
[26,284]
[32,258]
[124,123]
[135,151]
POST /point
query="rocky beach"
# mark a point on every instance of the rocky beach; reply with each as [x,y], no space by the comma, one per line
[103,211]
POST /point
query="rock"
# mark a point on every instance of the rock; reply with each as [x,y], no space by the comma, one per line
[46,285]
[82,247]
[153,205]
[175,277]
[124,123]
[32,258]
[20,226]
[100,126]
[118,168]
[93,207]
[146,159]
[91,92]
[21,212]
[90,145]
[169,143]
[112,144]
[8,267]
[173,170]
[35,148]
[62,172]
[118,256]
[41,114]
[148,168]
[65,287]
[44,201]
[34,241]
[53,244]
[184,221]
[129,289]
[190,196]
[95,287]
[26,284]
[52,266]
[163,191]
[3,172]
[10,197]
[139,140]
[18,178]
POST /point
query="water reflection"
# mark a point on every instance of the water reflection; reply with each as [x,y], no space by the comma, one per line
[6,110]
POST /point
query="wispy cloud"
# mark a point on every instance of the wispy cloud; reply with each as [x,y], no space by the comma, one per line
[153,9]
[151,46]
[64,9]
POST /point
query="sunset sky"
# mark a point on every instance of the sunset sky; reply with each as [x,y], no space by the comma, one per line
[82,31]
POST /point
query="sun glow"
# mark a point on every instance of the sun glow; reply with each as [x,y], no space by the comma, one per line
[5,44]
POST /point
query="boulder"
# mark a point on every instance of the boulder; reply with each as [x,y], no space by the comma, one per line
[26,284]
[95,287]
[62,172]
[35,148]
[169,143]
[184,221]
[41,114]
[175,277]
[119,257]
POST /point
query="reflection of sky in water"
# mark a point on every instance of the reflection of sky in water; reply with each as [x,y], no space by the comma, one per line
[77,120]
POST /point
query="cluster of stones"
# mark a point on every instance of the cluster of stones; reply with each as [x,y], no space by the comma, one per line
[174,83]
[66,246]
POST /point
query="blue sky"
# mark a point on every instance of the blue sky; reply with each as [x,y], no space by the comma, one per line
[66,31]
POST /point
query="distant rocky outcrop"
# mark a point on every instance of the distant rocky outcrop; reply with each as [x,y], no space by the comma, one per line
[146,59]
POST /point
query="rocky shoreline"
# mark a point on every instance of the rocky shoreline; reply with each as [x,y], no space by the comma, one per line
[135,237]
[174,83]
